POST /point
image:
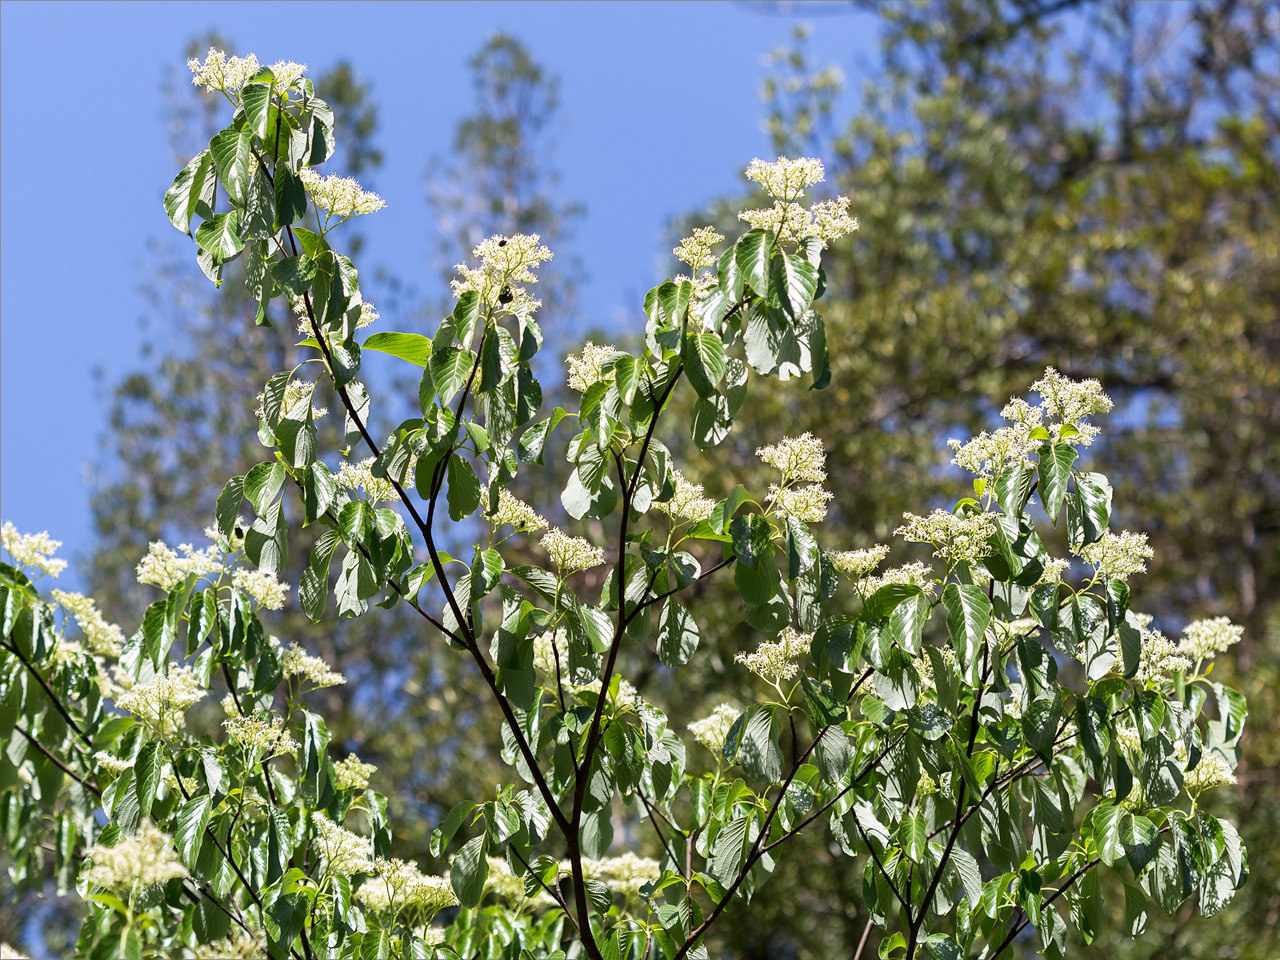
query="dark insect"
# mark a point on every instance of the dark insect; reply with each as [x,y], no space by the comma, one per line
[506,295]
[502,243]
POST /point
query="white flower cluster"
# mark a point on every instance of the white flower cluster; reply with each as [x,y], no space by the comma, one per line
[797,458]
[267,735]
[988,454]
[297,397]
[502,882]
[101,637]
[1054,568]
[145,858]
[1160,657]
[11,953]
[220,72]
[914,574]
[924,666]
[287,73]
[352,773]
[785,179]
[515,512]
[1212,771]
[711,730]
[687,503]
[625,874]
[506,262]
[856,564]
[262,588]
[238,946]
[344,852]
[571,554]
[546,647]
[1203,638]
[401,886]
[827,221]
[696,250]
[1070,401]
[296,662]
[1128,738]
[163,567]
[586,368]
[1117,556]
[339,196]
[163,700]
[359,476]
[807,504]
[111,763]
[955,539]
[776,660]
[33,550]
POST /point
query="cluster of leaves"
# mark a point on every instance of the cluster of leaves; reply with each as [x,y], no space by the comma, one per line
[895,730]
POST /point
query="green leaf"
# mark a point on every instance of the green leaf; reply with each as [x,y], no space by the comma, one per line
[705,361]
[757,749]
[294,274]
[941,946]
[677,634]
[228,508]
[413,347]
[729,850]
[1055,471]
[1013,488]
[795,281]
[220,235]
[450,368]
[232,151]
[262,483]
[751,535]
[193,820]
[191,193]
[291,206]
[968,615]
[1040,725]
[469,870]
[147,776]
[913,837]
[1088,509]
[464,489]
[752,254]
[443,834]
[255,98]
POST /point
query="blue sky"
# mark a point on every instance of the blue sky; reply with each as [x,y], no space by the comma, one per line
[660,113]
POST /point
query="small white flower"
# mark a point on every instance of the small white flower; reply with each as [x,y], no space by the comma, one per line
[339,196]
[585,368]
[297,397]
[1203,638]
[956,539]
[101,637]
[516,513]
[264,589]
[988,454]
[296,662]
[625,874]
[354,476]
[571,554]
[797,458]
[33,550]
[1118,556]
[239,945]
[687,503]
[401,886]
[223,73]
[711,730]
[786,179]
[163,567]
[344,852]
[1212,771]
[696,250]
[1160,658]
[506,263]
[163,700]
[111,763]
[914,574]
[145,858]
[807,504]
[777,660]
[266,735]
[1070,401]
[352,773]
[856,564]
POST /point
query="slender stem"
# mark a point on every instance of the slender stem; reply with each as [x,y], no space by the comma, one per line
[552,892]
[1018,928]
[55,761]
[862,943]
[49,693]
[657,827]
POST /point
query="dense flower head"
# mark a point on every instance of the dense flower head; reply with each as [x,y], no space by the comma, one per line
[776,660]
[797,458]
[1118,556]
[856,564]
[352,773]
[956,539]
[261,587]
[111,763]
[712,729]
[163,700]
[1070,401]
[807,503]
[339,196]
[100,637]
[571,554]
[696,250]
[791,222]
[287,73]
[266,734]
[296,400]
[1201,639]
[359,476]
[786,179]
[34,550]
[549,646]
[587,367]
[1212,771]
[502,882]
[344,852]
[296,662]
[399,885]
[223,73]
[145,858]
[238,945]
[914,574]
[625,873]
[163,567]
[687,503]
[515,512]
[506,263]
[1160,658]
[988,454]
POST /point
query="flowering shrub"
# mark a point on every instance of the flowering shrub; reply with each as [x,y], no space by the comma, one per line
[978,734]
